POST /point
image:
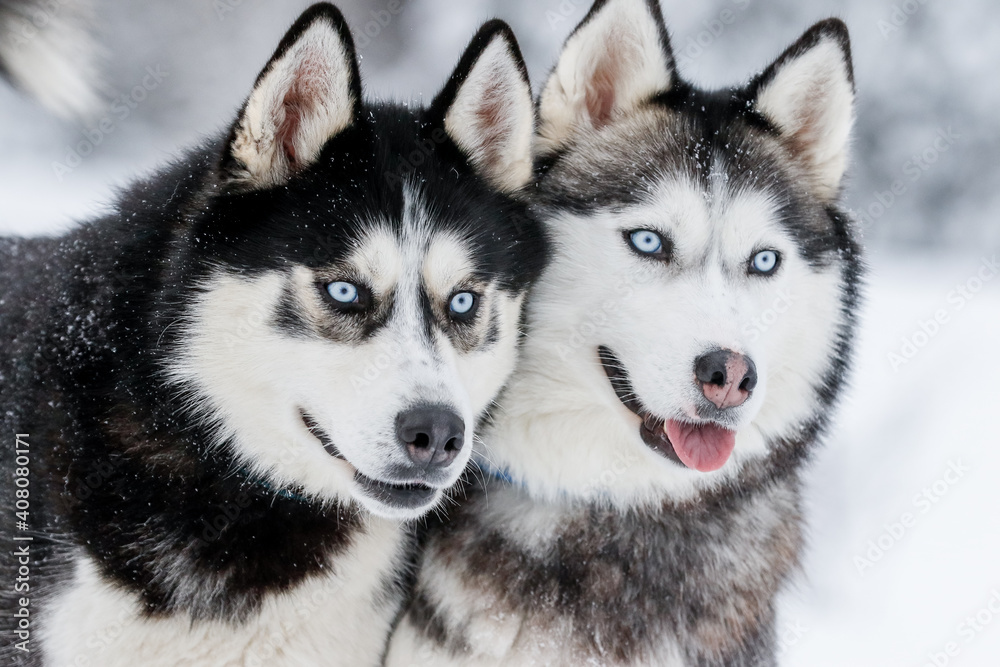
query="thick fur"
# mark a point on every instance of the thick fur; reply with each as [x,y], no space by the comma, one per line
[159,360]
[48,50]
[586,546]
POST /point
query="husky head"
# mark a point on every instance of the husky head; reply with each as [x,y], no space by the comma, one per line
[360,275]
[691,329]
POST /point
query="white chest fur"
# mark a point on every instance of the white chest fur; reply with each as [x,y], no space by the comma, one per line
[333,620]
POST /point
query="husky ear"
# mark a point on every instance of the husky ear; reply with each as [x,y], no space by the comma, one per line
[808,94]
[487,110]
[309,92]
[617,58]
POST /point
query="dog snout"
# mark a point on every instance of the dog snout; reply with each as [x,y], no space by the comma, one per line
[726,378]
[431,435]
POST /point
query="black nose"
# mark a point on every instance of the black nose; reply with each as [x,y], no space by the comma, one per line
[726,377]
[431,435]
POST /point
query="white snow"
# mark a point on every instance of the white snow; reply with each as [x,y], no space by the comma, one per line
[930,425]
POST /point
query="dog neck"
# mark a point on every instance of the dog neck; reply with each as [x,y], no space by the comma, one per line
[635,584]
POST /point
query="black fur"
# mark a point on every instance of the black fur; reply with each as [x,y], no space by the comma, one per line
[490,30]
[120,467]
[834,28]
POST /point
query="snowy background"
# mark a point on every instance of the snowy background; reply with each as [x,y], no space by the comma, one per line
[904,499]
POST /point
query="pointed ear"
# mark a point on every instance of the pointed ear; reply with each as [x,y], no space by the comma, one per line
[808,94]
[487,110]
[309,92]
[617,59]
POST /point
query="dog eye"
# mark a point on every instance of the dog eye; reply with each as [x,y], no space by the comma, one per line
[645,241]
[347,296]
[343,292]
[765,262]
[463,306]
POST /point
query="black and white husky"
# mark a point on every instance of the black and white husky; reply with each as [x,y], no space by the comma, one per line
[686,346]
[220,402]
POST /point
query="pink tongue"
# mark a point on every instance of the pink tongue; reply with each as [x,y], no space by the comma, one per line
[704,447]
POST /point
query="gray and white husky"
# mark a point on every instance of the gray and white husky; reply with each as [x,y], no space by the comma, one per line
[686,346]
[224,398]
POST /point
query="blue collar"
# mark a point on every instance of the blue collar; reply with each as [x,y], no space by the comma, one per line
[264,484]
[489,472]
[504,475]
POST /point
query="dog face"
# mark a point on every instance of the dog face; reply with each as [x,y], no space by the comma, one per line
[696,299]
[362,276]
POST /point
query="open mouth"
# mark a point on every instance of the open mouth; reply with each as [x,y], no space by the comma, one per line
[704,446]
[405,495]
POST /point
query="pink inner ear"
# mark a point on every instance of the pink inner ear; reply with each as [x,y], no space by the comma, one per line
[308,86]
[490,119]
[600,96]
[809,121]
[290,126]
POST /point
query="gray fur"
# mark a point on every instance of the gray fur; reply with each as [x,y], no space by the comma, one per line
[702,576]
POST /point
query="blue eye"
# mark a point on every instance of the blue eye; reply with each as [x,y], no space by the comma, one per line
[645,241]
[342,292]
[765,262]
[463,305]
